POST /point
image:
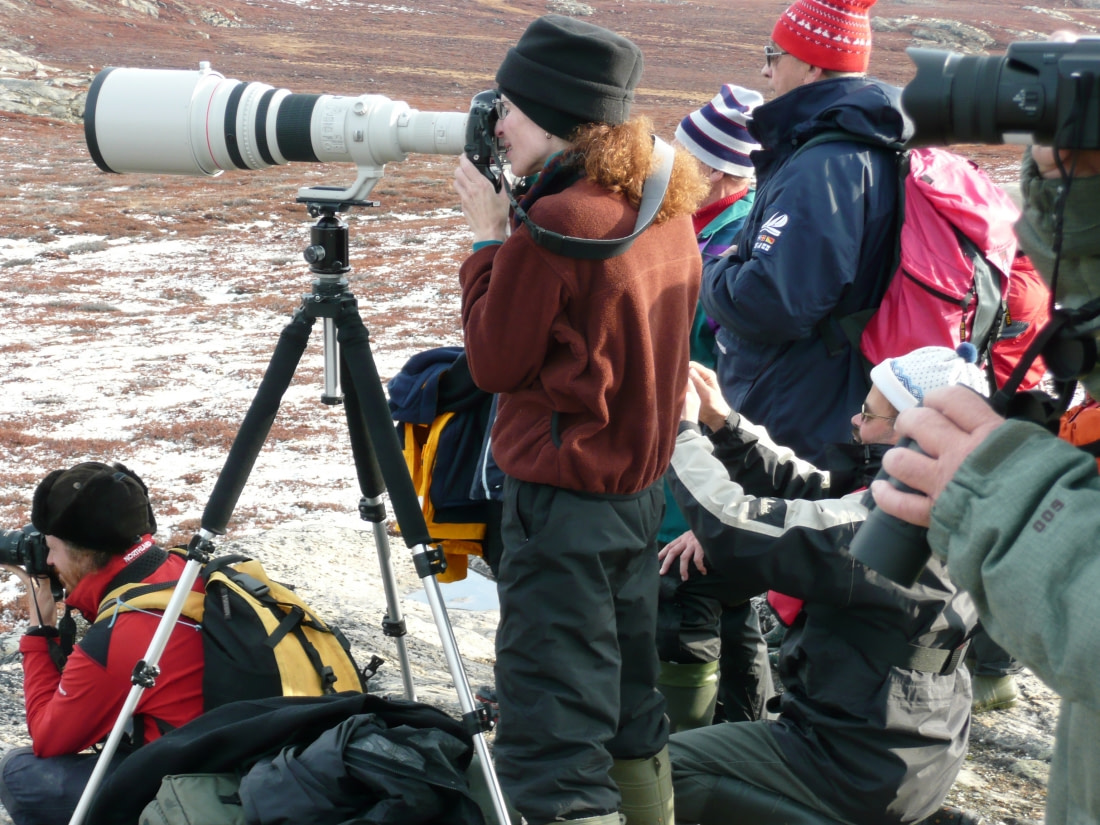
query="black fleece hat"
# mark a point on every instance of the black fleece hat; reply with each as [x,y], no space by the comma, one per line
[96,506]
[564,72]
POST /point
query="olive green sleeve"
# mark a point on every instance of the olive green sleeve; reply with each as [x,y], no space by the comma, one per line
[1020,527]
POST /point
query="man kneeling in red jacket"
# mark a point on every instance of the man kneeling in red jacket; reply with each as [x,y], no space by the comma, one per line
[97,523]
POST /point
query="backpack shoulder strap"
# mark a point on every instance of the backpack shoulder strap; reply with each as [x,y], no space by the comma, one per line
[851,324]
[129,591]
[840,136]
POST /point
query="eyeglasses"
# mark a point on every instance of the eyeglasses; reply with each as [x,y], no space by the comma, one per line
[772,54]
[502,109]
[865,416]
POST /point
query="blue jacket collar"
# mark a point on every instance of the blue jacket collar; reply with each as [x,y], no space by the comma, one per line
[862,106]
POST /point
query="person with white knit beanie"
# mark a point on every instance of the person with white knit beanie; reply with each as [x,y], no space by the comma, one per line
[872,722]
[904,380]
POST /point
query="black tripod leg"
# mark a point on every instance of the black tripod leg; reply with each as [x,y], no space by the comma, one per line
[355,350]
[375,413]
[257,423]
[372,508]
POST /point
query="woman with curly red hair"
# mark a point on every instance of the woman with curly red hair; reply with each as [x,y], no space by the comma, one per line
[589,358]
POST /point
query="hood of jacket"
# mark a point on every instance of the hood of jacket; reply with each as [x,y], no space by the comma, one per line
[864,107]
[853,466]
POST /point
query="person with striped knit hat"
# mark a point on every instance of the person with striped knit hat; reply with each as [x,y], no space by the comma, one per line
[717,135]
[696,689]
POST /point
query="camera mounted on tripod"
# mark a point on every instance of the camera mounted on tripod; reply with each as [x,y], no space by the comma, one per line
[481,142]
[165,121]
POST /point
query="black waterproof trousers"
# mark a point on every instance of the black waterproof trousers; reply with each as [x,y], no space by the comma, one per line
[576,665]
[697,623]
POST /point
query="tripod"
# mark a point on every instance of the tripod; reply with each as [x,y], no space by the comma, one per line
[379,466]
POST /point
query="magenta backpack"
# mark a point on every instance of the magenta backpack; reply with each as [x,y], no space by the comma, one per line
[957,248]
[954,256]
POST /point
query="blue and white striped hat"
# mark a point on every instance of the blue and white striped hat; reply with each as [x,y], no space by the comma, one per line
[718,133]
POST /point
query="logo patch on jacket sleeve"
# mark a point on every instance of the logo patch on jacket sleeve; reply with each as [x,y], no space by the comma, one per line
[769,233]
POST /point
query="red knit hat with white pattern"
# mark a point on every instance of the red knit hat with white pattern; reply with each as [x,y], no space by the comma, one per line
[831,34]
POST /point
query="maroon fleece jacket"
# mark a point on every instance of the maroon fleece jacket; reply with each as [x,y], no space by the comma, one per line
[590,358]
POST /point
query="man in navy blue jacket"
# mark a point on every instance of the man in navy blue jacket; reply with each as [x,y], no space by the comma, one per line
[819,242]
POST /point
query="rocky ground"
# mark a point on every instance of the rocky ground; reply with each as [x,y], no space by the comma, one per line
[141,310]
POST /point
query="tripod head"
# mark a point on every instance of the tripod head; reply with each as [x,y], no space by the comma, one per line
[327,254]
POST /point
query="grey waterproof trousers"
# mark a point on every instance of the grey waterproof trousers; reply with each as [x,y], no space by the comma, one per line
[37,791]
[697,623]
[735,772]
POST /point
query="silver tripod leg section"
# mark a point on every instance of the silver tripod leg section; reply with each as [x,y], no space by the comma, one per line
[394,622]
[331,362]
[150,671]
[462,684]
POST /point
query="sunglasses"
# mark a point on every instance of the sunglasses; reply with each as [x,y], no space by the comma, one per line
[865,416]
[772,54]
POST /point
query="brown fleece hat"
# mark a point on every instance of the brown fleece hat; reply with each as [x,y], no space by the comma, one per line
[96,506]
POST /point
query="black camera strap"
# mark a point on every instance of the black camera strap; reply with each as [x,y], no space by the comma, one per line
[1067,343]
[600,249]
[66,629]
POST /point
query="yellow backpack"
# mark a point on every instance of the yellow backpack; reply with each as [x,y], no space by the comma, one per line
[259,638]
[459,539]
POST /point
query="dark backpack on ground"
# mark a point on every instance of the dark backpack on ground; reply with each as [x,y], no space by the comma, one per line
[954,256]
[260,638]
[233,738]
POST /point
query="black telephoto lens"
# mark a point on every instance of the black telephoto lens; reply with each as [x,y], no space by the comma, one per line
[1040,92]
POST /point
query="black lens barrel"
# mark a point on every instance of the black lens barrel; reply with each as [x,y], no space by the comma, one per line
[292,127]
[89,120]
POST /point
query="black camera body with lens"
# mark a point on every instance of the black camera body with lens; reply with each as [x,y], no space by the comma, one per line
[1042,92]
[25,548]
[481,142]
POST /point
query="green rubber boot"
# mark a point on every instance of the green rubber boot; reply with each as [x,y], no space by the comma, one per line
[646,788]
[691,693]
